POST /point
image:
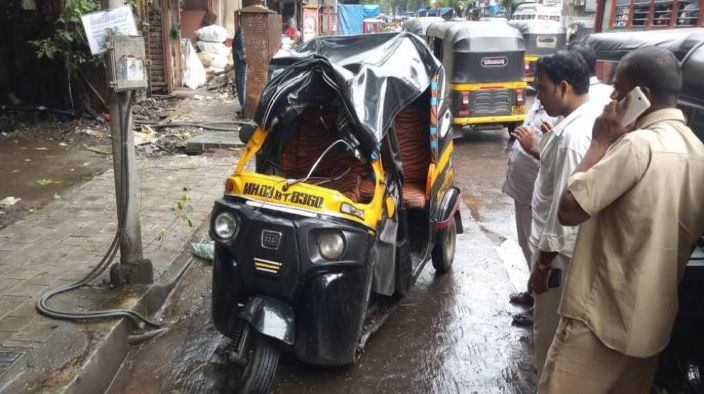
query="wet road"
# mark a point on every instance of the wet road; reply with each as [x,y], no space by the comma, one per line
[450,334]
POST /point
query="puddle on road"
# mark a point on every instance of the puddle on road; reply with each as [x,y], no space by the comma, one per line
[37,171]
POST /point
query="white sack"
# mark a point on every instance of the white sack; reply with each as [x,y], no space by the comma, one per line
[212,33]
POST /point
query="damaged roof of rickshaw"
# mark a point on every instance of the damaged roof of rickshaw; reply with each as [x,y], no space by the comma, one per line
[374,76]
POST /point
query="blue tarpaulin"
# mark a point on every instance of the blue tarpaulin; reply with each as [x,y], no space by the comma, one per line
[371,11]
[351,18]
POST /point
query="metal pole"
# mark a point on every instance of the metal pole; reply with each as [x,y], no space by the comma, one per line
[133,268]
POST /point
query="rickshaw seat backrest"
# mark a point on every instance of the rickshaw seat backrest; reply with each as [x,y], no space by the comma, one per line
[308,141]
[411,126]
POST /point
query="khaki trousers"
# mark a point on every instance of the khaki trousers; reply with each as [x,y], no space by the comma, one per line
[545,315]
[523,221]
[578,362]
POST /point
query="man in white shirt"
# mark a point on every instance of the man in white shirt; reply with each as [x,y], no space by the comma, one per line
[562,80]
[520,179]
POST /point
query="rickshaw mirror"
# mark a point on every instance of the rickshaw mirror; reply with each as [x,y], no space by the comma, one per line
[246,132]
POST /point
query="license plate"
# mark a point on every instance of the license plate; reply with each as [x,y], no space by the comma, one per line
[518,109]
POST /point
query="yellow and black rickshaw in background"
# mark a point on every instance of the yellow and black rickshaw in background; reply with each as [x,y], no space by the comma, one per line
[541,37]
[484,67]
[350,196]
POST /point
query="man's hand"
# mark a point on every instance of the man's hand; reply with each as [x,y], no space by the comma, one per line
[538,282]
[607,127]
[539,276]
[528,140]
[545,127]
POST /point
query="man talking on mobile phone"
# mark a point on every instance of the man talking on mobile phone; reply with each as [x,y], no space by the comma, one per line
[638,197]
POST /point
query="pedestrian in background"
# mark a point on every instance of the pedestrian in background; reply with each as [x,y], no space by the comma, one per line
[638,198]
[562,80]
[240,60]
[521,173]
[597,90]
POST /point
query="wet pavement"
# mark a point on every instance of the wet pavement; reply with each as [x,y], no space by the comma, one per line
[451,333]
[37,171]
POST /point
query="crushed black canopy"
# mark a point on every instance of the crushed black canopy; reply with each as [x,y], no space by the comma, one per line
[372,76]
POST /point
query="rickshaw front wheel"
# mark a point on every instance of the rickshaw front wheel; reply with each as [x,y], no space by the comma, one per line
[256,373]
[444,250]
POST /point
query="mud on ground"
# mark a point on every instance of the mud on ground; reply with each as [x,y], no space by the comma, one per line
[42,155]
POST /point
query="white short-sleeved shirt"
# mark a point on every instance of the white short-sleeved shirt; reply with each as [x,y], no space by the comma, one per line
[522,167]
[561,150]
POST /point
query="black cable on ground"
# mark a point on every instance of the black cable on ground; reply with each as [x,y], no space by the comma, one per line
[214,126]
[138,319]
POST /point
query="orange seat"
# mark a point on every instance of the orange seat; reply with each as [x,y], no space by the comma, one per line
[411,126]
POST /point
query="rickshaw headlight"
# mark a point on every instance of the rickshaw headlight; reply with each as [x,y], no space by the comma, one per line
[226,225]
[331,245]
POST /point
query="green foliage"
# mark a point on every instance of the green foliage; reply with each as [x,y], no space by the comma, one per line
[175,32]
[68,41]
[184,210]
[510,6]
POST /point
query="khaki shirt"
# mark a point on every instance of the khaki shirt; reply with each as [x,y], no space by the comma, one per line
[646,202]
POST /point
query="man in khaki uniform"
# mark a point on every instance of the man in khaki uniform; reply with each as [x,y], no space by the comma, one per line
[638,196]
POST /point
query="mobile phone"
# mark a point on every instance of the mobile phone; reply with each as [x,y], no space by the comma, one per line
[555,278]
[638,104]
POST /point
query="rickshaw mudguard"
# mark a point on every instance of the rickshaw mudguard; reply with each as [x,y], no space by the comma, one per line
[447,209]
[270,317]
[330,316]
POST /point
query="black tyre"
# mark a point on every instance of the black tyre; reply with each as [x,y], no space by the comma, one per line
[444,250]
[262,359]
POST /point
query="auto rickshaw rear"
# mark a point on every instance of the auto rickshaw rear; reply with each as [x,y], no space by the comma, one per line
[541,37]
[484,67]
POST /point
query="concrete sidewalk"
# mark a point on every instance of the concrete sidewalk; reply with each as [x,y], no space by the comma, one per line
[60,243]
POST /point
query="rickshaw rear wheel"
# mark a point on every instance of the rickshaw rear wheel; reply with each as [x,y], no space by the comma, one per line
[262,359]
[444,250]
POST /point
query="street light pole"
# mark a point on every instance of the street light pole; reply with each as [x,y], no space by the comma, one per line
[133,268]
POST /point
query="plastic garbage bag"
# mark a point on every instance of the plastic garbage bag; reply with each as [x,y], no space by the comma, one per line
[204,250]
[194,76]
[212,33]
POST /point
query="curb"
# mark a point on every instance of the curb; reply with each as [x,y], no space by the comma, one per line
[106,356]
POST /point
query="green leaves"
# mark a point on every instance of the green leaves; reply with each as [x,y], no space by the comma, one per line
[68,40]
[184,210]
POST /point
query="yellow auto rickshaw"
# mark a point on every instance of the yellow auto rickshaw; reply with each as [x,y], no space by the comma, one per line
[484,66]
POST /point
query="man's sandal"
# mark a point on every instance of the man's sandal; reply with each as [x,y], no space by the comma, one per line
[522,298]
[523,319]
